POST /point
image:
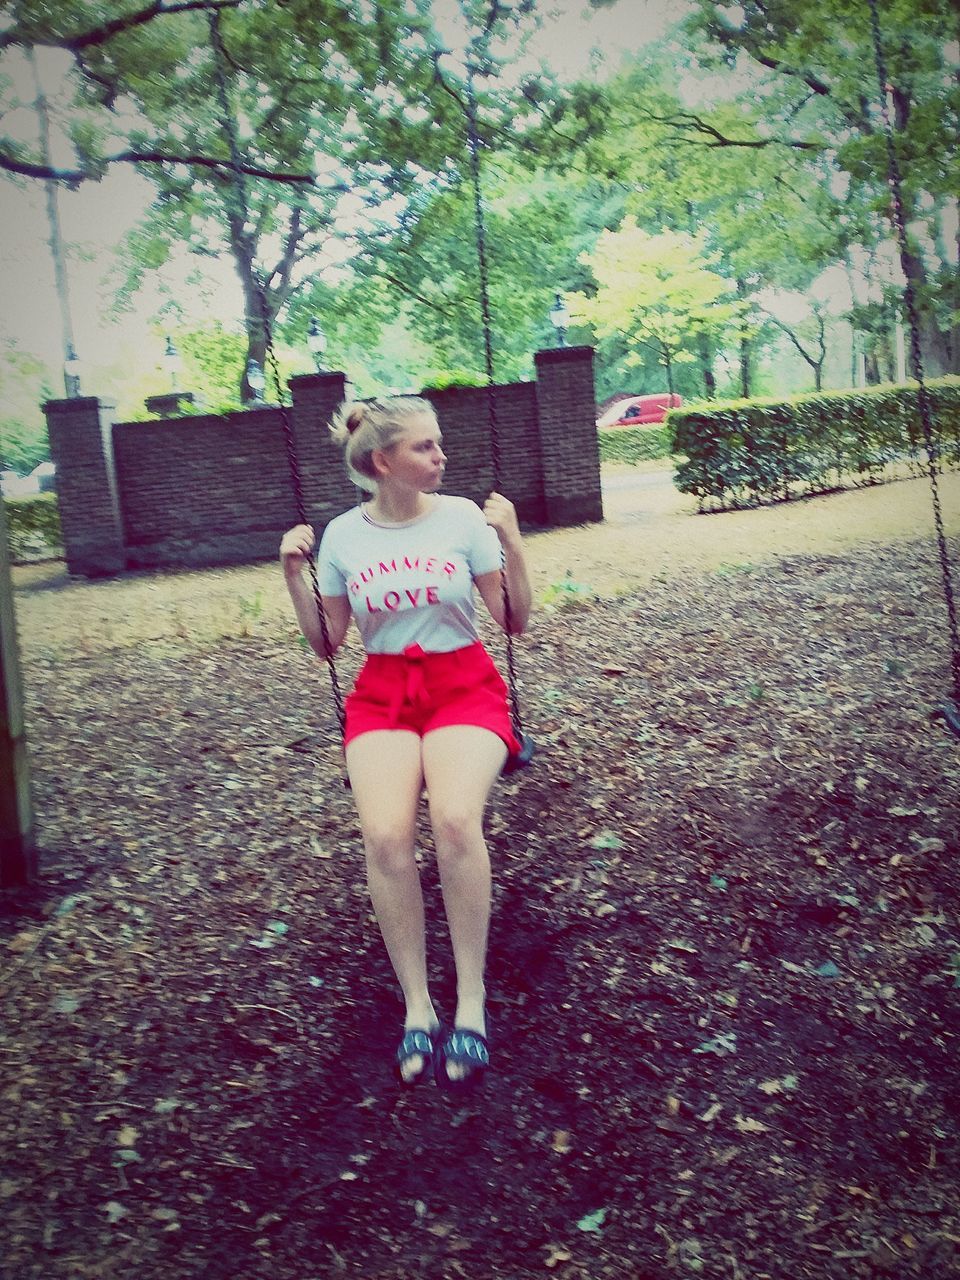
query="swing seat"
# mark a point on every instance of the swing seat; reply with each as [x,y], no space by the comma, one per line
[521,759]
[950,713]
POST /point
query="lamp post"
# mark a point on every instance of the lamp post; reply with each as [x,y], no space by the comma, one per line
[173,363]
[560,319]
[172,403]
[317,342]
[71,372]
[255,380]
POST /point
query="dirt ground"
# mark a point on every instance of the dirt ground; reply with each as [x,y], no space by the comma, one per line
[724,964]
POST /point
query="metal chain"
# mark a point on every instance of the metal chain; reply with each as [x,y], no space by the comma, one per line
[916,360]
[473,140]
[240,192]
[296,479]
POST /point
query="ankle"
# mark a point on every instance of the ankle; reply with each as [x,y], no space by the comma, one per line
[420,1013]
[471,1011]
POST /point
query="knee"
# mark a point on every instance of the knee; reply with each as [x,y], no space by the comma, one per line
[457,832]
[388,852]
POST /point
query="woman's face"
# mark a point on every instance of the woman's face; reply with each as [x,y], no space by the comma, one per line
[416,459]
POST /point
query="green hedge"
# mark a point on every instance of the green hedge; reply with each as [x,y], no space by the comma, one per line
[442,380]
[33,525]
[745,452]
[635,444]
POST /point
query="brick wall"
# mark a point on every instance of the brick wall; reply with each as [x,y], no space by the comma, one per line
[217,489]
[209,490]
[465,421]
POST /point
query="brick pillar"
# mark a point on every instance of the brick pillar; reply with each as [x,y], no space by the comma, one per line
[81,445]
[326,489]
[567,414]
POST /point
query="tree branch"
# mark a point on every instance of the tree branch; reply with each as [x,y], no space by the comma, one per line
[74,177]
[284,268]
[816,365]
[411,292]
[106,32]
[726,34]
[687,120]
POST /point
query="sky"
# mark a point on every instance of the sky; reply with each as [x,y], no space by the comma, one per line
[96,218]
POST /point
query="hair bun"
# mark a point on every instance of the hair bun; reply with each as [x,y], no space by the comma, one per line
[354,418]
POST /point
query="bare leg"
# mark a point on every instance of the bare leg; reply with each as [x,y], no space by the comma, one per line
[386,778]
[461,764]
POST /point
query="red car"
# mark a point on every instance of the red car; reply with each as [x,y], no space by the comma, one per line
[639,411]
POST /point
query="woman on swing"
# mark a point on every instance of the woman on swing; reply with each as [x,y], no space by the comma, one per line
[429,708]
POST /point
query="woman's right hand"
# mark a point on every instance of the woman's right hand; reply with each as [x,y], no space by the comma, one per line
[295,547]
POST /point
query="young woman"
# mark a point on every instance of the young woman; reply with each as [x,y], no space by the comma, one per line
[429,708]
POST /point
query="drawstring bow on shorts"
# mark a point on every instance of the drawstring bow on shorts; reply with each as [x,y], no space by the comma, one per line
[412,689]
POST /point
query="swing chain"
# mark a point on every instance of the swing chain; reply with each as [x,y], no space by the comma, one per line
[239,192]
[895,181]
[297,481]
[473,141]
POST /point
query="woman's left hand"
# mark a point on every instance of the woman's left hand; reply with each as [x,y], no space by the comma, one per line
[501,514]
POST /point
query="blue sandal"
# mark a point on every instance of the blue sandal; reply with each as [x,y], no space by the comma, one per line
[467,1049]
[422,1042]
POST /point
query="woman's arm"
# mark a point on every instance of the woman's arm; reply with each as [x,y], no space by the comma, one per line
[295,547]
[500,513]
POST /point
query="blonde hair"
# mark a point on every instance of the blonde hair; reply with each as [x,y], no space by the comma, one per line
[366,425]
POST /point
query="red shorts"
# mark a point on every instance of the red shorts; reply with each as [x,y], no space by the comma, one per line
[423,691]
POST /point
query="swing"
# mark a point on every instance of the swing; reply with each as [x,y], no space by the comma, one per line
[949,712]
[523,757]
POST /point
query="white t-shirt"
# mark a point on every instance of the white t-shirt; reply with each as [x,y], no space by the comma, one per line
[413,583]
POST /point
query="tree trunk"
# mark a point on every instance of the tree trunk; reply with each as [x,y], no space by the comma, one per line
[934,343]
[56,237]
[243,242]
[745,355]
[706,366]
[950,273]
[256,352]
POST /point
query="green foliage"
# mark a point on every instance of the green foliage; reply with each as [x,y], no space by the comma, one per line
[432,265]
[33,524]
[454,378]
[338,117]
[776,173]
[24,386]
[213,360]
[636,444]
[657,291]
[743,452]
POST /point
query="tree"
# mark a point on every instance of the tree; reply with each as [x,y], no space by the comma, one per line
[433,266]
[823,96]
[85,31]
[809,339]
[769,210]
[51,192]
[268,130]
[364,101]
[659,291]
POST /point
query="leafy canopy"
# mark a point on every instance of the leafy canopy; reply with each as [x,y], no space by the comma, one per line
[657,290]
